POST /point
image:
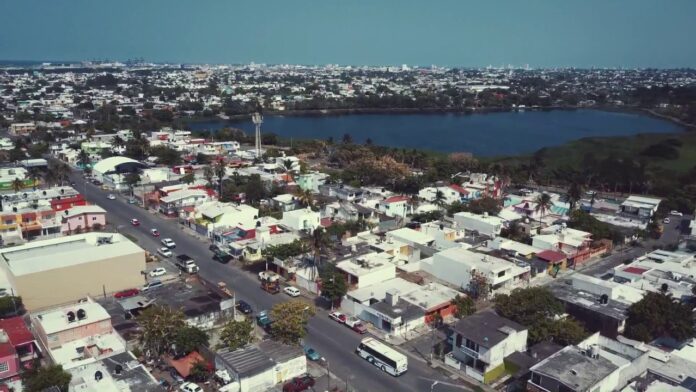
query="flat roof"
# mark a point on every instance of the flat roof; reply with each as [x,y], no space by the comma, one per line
[378,291]
[431,296]
[56,320]
[575,369]
[411,235]
[479,261]
[486,328]
[371,262]
[246,361]
[54,253]
[567,293]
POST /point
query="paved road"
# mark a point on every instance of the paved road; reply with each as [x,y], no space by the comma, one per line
[336,343]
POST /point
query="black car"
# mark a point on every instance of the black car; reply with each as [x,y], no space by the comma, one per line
[214,248]
[222,257]
[244,307]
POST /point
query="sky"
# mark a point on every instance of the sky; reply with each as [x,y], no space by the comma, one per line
[541,33]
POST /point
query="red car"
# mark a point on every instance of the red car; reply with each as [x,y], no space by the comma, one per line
[338,317]
[135,222]
[127,293]
[299,384]
[359,328]
[154,232]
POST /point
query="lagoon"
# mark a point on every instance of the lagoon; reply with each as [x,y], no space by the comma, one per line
[489,134]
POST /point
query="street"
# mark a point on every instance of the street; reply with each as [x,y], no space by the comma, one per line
[333,341]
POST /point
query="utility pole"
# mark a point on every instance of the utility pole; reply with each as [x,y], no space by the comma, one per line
[257,119]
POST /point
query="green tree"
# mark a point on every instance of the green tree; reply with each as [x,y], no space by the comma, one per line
[290,321]
[286,251]
[189,339]
[209,174]
[188,178]
[347,139]
[305,197]
[573,195]
[254,189]
[236,334]
[17,185]
[83,159]
[486,204]
[37,378]
[527,305]
[160,325]
[465,306]
[132,180]
[220,170]
[439,199]
[10,306]
[333,285]
[200,371]
[543,205]
[657,315]
[166,155]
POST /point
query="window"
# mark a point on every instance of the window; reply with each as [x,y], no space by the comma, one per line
[94,218]
[536,379]
[501,273]
[472,346]
[9,221]
[4,367]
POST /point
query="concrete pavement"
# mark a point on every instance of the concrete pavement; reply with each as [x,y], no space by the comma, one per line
[334,342]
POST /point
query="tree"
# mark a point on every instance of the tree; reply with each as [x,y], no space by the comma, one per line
[37,378]
[132,180]
[525,306]
[573,195]
[485,204]
[657,315]
[220,170]
[439,199]
[236,334]
[290,321]
[160,325]
[254,189]
[17,185]
[166,155]
[543,205]
[286,251]
[200,371]
[83,159]
[188,178]
[209,174]
[305,197]
[57,172]
[347,139]
[479,286]
[10,306]
[333,285]
[465,306]
[188,339]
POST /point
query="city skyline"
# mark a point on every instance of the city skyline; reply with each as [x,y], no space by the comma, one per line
[622,34]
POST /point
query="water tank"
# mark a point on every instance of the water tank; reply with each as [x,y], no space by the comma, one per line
[81,314]
[594,351]
[71,316]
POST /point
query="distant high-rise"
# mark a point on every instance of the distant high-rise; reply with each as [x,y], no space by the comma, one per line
[257,118]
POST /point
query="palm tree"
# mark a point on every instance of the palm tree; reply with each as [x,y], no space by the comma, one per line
[574,194]
[34,175]
[17,185]
[220,171]
[287,165]
[209,174]
[58,172]
[118,142]
[439,199]
[305,197]
[347,139]
[543,205]
[83,159]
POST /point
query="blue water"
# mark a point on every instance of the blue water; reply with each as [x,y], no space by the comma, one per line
[488,134]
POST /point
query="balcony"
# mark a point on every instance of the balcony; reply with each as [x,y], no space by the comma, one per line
[469,352]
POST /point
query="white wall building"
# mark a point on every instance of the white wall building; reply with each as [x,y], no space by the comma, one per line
[483,224]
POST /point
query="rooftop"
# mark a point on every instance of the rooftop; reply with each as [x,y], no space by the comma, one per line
[68,251]
[486,328]
[56,319]
[246,361]
[280,352]
[366,264]
[575,369]
[569,294]
[410,235]
[403,309]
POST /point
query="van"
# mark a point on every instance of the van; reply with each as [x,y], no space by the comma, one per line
[153,284]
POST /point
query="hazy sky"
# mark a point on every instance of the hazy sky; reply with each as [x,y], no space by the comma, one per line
[583,33]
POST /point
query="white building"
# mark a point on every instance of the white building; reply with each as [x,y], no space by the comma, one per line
[368,269]
[640,206]
[483,224]
[301,220]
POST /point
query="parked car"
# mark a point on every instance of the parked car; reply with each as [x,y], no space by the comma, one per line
[169,243]
[164,251]
[222,257]
[127,293]
[190,387]
[676,213]
[159,271]
[338,316]
[213,248]
[135,222]
[359,328]
[244,307]
[153,284]
[154,232]
[299,384]
[292,291]
[666,221]
[111,196]
[311,354]
[132,201]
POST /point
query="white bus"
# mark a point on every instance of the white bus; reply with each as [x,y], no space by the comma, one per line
[382,356]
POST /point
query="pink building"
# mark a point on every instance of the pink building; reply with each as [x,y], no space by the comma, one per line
[16,347]
[82,218]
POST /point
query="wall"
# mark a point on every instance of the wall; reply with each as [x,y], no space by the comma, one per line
[453,272]
[290,368]
[259,382]
[79,332]
[83,221]
[62,285]
[12,365]
[377,276]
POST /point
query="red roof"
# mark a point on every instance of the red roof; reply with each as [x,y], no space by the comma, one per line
[183,365]
[635,270]
[459,189]
[551,256]
[396,199]
[17,331]
[325,222]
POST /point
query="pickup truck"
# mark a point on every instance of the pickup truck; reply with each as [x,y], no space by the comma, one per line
[186,264]
[263,320]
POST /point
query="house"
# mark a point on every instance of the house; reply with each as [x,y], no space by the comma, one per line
[285,202]
[576,244]
[17,347]
[22,129]
[513,248]
[259,367]
[395,206]
[82,218]
[463,268]
[412,237]
[367,269]
[596,364]
[176,202]
[448,194]
[119,372]
[483,224]
[8,176]
[639,207]
[252,249]
[403,253]
[483,340]
[64,269]
[78,333]
[212,215]
[301,220]
[311,181]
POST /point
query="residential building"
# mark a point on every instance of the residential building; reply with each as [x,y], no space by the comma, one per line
[303,219]
[17,347]
[210,216]
[395,206]
[60,270]
[183,201]
[78,333]
[82,218]
[597,364]
[8,175]
[118,373]
[311,181]
[483,340]
[367,269]
[412,237]
[640,207]
[460,267]
[22,129]
[483,224]
[576,244]
[285,202]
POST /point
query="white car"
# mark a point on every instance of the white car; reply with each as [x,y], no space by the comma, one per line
[676,213]
[292,291]
[159,271]
[338,317]
[165,252]
[666,221]
[190,387]
[111,196]
[169,243]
